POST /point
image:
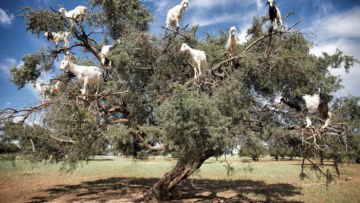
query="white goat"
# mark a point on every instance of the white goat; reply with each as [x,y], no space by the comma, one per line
[87,75]
[175,14]
[274,14]
[232,41]
[104,53]
[57,37]
[57,86]
[198,57]
[77,14]
[47,89]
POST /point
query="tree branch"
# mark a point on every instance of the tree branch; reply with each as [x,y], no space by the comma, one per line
[10,113]
[177,32]
[148,146]
[55,52]
[242,54]
[61,140]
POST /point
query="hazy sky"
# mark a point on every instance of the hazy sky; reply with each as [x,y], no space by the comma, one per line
[333,24]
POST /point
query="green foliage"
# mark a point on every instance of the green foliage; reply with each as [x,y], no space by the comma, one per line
[256,29]
[284,144]
[253,147]
[192,124]
[30,70]
[121,17]
[6,148]
[347,110]
[337,60]
[119,139]
[153,133]
[43,20]
[74,136]
[214,46]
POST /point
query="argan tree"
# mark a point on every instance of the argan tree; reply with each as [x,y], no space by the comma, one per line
[150,103]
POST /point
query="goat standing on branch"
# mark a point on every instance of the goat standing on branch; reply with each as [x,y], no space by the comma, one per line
[232,41]
[105,61]
[274,15]
[87,75]
[311,103]
[175,14]
[198,57]
[57,37]
[104,53]
[77,14]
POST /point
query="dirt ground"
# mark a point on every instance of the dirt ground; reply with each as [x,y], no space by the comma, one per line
[104,186]
[58,188]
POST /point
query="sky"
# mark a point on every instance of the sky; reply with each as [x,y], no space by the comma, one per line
[329,24]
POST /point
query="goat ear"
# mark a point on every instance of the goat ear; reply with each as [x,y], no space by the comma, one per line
[67,57]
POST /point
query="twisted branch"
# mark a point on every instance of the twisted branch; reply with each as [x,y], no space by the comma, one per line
[139,136]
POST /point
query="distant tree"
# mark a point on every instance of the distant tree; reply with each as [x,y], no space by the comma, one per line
[254,148]
[8,147]
[282,144]
[347,111]
[150,101]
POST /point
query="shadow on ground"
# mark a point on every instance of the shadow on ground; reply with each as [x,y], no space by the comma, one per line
[131,189]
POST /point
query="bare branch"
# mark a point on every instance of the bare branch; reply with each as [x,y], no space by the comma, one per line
[55,52]
[10,113]
[62,140]
[121,120]
[177,32]
[32,145]
[148,146]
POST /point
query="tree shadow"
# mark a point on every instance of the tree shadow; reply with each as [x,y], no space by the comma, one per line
[194,190]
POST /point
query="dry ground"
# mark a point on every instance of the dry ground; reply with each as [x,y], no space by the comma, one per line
[124,180]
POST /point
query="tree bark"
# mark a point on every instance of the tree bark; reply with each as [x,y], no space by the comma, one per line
[321,158]
[165,188]
[276,158]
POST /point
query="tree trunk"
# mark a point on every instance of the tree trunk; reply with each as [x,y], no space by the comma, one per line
[358,160]
[165,188]
[321,158]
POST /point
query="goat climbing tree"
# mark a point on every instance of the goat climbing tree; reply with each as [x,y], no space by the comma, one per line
[150,101]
